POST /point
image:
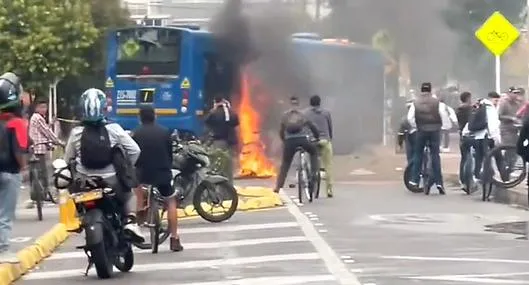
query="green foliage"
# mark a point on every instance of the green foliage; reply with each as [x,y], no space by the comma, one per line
[45,40]
[464,17]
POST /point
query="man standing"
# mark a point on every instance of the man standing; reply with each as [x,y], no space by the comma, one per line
[321,118]
[40,132]
[508,107]
[222,122]
[154,167]
[13,145]
[293,134]
[427,115]
[463,113]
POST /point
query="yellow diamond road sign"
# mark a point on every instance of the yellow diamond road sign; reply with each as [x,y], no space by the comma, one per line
[497,34]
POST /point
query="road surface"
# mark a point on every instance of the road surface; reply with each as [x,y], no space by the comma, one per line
[376,231]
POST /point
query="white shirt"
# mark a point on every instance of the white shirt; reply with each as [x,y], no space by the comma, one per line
[452,118]
[493,124]
[445,117]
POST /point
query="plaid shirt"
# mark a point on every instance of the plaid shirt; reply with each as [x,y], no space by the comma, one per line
[40,132]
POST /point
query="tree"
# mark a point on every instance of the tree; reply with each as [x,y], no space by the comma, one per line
[45,40]
[464,17]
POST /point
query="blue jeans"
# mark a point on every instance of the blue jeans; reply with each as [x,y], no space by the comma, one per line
[10,184]
[410,146]
[432,139]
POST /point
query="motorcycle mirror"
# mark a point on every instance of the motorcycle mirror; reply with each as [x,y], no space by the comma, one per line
[59,163]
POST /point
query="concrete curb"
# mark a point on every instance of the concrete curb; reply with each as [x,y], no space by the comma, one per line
[250,199]
[33,254]
[516,196]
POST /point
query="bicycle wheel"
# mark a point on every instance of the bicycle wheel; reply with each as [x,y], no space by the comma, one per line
[37,191]
[154,221]
[407,177]
[515,175]
[318,183]
[486,179]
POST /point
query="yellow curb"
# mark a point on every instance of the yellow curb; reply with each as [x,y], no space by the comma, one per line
[33,254]
[250,199]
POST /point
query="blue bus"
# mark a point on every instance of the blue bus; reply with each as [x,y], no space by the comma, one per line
[177,70]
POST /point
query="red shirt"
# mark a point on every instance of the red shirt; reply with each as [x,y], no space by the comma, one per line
[17,134]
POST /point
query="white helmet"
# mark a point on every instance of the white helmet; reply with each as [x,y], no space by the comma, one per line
[62,176]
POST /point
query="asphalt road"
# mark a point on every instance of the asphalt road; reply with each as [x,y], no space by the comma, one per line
[376,231]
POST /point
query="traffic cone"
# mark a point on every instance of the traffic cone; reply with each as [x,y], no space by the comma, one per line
[67,211]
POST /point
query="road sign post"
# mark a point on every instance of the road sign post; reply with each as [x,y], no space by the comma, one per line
[497,34]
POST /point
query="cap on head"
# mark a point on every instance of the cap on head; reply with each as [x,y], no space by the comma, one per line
[426,87]
[294,100]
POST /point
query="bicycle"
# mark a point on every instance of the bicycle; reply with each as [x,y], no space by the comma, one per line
[38,191]
[304,176]
[425,174]
[155,204]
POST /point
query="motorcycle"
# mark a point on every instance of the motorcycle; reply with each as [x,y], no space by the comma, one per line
[193,179]
[107,245]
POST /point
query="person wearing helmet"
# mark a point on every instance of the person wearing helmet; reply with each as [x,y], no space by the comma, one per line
[13,146]
[105,150]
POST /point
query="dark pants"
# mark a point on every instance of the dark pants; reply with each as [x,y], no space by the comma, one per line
[289,150]
[42,172]
[446,138]
[410,146]
[464,149]
[433,140]
[228,159]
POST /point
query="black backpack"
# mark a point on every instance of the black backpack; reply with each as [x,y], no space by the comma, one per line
[96,151]
[295,121]
[477,120]
[5,145]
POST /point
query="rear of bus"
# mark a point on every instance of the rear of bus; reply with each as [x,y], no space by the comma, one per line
[146,66]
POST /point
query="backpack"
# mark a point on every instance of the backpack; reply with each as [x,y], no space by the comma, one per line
[96,151]
[477,120]
[295,121]
[5,145]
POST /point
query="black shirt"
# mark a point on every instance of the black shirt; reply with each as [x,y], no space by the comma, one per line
[220,128]
[156,157]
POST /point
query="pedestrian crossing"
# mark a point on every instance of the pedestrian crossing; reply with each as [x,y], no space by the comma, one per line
[269,247]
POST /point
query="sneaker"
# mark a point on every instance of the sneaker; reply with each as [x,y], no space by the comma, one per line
[175,245]
[29,204]
[135,232]
[9,257]
[330,193]
[441,189]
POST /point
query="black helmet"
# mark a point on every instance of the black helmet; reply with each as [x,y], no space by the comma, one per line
[10,90]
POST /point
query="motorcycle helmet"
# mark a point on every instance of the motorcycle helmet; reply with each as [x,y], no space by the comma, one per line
[10,90]
[93,105]
[62,178]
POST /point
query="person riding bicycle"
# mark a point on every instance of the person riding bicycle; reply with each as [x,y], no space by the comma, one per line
[293,133]
[482,131]
[153,167]
[427,115]
[321,118]
[13,146]
[98,146]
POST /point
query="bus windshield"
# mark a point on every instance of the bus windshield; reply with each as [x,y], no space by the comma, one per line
[157,49]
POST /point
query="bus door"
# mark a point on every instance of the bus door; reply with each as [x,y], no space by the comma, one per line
[220,79]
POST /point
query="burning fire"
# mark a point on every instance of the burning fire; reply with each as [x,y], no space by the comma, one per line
[252,159]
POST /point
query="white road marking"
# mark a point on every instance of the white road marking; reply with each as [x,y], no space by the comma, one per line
[61,274]
[198,245]
[455,259]
[285,280]
[331,260]
[238,228]
[318,224]
[322,231]
[469,279]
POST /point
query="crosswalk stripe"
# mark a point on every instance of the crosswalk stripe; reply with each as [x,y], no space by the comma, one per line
[198,245]
[60,274]
[238,228]
[284,280]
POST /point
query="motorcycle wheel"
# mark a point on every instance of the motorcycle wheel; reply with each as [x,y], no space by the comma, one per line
[102,261]
[227,190]
[125,260]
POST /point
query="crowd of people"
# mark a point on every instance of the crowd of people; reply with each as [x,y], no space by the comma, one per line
[482,124]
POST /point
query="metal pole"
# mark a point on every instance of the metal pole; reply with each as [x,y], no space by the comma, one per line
[497,74]
[527,38]
[318,10]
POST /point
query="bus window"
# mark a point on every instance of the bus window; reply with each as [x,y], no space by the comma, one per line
[148,51]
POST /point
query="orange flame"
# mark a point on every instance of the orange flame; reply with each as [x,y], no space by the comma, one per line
[252,159]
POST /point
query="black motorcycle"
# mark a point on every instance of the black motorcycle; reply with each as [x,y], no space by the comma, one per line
[214,198]
[107,244]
